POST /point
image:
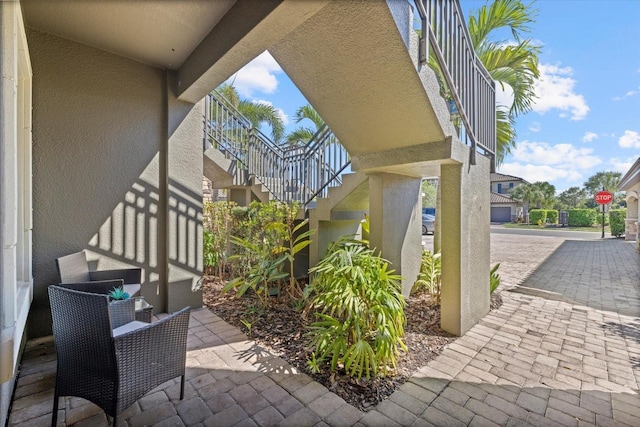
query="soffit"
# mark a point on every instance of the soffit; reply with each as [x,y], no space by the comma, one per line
[161,33]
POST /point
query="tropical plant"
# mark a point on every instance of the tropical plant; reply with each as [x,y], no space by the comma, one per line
[256,112]
[118,293]
[296,240]
[512,63]
[302,134]
[429,275]
[359,309]
[262,275]
[494,278]
[541,194]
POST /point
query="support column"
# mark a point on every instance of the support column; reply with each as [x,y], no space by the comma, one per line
[465,245]
[396,223]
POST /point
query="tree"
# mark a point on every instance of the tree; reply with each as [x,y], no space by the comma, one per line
[429,193]
[302,134]
[512,64]
[256,112]
[607,180]
[541,194]
[572,198]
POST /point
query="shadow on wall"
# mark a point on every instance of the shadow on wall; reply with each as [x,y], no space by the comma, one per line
[132,234]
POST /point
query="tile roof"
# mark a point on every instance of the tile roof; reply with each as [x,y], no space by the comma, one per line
[501,199]
[499,177]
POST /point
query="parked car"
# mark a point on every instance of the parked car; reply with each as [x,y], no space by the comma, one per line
[428,223]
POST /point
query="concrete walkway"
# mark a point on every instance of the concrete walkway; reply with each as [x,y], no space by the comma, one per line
[564,349]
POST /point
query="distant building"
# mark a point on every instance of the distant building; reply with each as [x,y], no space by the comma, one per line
[630,184]
[503,207]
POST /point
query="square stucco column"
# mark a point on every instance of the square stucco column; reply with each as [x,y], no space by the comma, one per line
[465,244]
[396,221]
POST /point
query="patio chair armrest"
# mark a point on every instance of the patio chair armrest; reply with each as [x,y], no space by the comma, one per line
[95,287]
[122,312]
[129,275]
[153,354]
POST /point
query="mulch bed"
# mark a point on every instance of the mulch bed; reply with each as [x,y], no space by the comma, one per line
[281,329]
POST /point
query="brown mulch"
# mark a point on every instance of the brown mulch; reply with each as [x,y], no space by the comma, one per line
[281,329]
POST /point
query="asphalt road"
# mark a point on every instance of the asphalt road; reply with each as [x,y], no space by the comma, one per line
[565,234]
[427,241]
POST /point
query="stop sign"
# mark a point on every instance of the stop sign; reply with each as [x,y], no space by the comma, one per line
[603,197]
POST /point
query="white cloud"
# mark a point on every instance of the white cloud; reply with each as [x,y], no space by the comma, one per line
[281,113]
[561,156]
[589,136]
[535,127]
[555,90]
[630,93]
[258,75]
[533,173]
[622,165]
[504,96]
[630,139]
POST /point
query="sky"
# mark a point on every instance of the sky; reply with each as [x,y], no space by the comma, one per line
[586,118]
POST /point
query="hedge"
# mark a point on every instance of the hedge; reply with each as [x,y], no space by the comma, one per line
[582,217]
[616,220]
[544,215]
[537,215]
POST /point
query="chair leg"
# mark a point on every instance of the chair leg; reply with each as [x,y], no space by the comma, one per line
[54,415]
[115,420]
[181,387]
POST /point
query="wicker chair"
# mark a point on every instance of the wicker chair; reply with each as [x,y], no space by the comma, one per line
[75,269]
[105,357]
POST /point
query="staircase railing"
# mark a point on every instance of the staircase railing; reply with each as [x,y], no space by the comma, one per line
[471,87]
[298,173]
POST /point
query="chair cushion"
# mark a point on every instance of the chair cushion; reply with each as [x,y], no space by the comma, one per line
[128,327]
[73,268]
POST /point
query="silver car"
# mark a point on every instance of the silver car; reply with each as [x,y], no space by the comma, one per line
[428,223]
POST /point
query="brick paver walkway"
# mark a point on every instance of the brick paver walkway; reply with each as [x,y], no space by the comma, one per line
[564,349]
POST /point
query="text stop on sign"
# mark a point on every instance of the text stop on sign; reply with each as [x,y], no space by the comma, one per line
[603,197]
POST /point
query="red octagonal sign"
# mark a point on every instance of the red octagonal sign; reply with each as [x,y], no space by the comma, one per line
[603,197]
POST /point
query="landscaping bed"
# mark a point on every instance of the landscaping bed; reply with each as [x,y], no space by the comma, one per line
[281,328]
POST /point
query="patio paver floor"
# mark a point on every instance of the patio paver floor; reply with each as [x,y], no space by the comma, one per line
[564,349]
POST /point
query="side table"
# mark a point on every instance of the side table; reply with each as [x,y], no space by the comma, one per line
[144,310]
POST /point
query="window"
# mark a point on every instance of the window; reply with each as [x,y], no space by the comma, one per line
[499,187]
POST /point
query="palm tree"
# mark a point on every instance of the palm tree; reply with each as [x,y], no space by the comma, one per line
[541,194]
[513,64]
[302,134]
[256,112]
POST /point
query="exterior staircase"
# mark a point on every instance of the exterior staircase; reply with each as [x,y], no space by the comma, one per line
[236,155]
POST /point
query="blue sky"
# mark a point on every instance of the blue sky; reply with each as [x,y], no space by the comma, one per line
[587,115]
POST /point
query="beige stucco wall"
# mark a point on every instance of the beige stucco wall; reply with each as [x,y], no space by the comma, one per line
[101,165]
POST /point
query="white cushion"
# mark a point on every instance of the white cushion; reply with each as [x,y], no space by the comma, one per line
[128,327]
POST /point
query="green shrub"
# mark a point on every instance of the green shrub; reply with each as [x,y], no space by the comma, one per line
[617,220]
[552,216]
[581,217]
[599,217]
[360,311]
[537,216]
[429,276]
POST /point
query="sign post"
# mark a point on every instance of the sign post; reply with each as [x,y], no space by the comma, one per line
[603,198]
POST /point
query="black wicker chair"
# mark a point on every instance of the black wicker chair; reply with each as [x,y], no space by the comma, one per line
[75,269]
[106,357]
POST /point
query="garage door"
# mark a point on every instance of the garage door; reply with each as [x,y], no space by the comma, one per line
[501,214]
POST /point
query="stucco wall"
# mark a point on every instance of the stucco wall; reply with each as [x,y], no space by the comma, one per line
[100,129]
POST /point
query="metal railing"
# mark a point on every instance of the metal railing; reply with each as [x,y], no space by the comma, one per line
[470,85]
[291,174]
